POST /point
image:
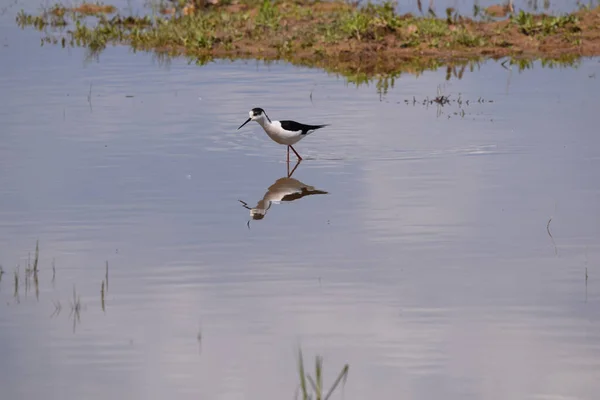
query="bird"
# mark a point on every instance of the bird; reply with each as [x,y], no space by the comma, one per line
[284,189]
[283,132]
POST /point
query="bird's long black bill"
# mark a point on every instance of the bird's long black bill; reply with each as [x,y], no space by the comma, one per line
[248,120]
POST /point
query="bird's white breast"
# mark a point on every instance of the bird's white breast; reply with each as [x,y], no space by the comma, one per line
[281,136]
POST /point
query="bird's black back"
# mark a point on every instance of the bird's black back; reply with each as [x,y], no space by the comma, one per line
[297,126]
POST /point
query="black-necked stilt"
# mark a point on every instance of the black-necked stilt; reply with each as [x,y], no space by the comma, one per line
[282,132]
[284,189]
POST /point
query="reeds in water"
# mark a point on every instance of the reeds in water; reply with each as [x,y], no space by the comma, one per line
[316,384]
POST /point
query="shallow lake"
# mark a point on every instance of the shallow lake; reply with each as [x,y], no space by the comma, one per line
[455,255]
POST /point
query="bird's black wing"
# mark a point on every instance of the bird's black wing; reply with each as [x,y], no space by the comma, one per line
[294,126]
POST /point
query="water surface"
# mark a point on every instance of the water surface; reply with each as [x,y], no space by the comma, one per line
[428,266]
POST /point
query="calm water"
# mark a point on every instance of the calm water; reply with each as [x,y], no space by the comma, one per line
[427,266]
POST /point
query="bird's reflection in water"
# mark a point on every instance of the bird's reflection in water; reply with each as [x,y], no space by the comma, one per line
[284,189]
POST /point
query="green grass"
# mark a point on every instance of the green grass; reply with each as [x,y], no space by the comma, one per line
[268,15]
[205,30]
[313,388]
[358,42]
[532,25]
[468,39]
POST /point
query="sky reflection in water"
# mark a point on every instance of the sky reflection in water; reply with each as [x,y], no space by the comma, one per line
[427,266]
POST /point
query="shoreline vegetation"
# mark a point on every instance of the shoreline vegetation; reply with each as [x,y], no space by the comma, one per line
[360,42]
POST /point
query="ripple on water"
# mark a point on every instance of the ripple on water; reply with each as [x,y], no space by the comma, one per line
[427,268]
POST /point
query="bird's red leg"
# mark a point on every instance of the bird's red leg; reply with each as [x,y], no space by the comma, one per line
[296,166]
[297,155]
[288,156]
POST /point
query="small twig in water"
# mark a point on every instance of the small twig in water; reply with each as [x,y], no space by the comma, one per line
[57,308]
[586,283]
[75,308]
[16,293]
[27,275]
[89,97]
[37,255]
[441,100]
[37,285]
[551,237]
[102,296]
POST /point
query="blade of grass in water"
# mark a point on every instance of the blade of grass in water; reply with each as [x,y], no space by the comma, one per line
[343,375]
[319,375]
[302,376]
[317,383]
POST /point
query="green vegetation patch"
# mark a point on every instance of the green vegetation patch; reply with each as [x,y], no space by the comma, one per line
[357,41]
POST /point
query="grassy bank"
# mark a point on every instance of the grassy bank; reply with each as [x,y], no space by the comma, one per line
[356,41]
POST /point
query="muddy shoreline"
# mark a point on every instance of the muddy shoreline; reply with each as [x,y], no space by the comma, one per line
[336,36]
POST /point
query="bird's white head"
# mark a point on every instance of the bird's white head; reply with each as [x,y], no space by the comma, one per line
[257,114]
